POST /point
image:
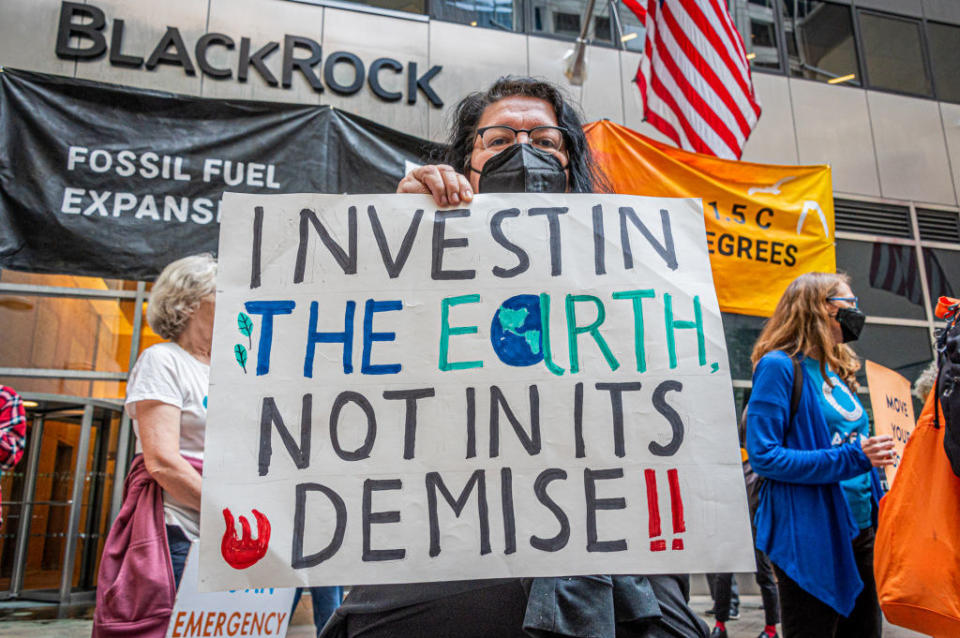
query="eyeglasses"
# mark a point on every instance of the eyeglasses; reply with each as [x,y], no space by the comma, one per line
[501,137]
[854,300]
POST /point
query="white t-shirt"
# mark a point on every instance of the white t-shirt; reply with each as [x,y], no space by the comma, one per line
[166,372]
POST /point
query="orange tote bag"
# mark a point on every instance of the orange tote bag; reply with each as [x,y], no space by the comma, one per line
[917,552]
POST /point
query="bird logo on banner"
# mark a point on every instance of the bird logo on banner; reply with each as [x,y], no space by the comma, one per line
[809,205]
[694,76]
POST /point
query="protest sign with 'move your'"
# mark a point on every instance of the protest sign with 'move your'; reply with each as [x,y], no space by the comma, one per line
[529,385]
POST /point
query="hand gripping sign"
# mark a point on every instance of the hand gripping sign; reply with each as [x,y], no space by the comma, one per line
[535,385]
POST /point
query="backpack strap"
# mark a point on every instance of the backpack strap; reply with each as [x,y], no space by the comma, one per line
[796,393]
[936,392]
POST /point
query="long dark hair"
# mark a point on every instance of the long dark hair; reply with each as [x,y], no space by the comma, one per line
[585,174]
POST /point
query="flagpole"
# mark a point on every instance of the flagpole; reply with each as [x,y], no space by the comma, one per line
[576,67]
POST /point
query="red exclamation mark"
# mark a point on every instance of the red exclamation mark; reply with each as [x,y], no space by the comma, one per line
[676,506]
[653,505]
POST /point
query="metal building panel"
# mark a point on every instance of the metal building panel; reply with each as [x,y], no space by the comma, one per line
[602,95]
[950,114]
[370,37]
[942,10]
[232,18]
[145,24]
[900,7]
[911,149]
[30,36]
[833,127]
[546,62]
[772,140]
[473,58]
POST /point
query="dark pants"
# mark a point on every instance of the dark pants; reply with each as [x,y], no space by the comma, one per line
[491,611]
[804,615]
[722,587]
[179,548]
[499,611]
[325,601]
[723,592]
[677,620]
[734,597]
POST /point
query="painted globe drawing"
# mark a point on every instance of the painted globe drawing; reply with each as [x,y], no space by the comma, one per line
[516,331]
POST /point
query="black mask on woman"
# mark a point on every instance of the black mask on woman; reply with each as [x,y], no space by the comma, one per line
[851,322]
[522,169]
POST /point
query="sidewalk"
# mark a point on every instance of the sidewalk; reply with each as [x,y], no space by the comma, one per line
[751,621]
[748,626]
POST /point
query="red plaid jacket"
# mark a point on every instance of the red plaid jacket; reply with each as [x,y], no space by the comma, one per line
[13,430]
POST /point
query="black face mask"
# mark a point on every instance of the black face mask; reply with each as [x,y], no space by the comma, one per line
[851,322]
[523,169]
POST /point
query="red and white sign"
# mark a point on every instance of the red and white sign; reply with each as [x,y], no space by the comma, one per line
[253,613]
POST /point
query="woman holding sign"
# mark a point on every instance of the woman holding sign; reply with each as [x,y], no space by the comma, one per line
[518,136]
[818,505]
[147,546]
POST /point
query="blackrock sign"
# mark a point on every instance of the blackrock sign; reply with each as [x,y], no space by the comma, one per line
[299,54]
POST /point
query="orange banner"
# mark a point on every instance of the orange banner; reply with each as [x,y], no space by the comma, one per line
[766,224]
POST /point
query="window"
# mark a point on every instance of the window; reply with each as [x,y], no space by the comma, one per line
[943,272]
[409,6]
[885,277]
[893,54]
[491,14]
[756,22]
[602,29]
[820,43]
[741,332]
[87,335]
[904,349]
[566,23]
[634,33]
[943,41]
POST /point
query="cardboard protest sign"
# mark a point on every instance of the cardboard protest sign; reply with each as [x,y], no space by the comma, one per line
[534,385]
[253,613]
[892,409]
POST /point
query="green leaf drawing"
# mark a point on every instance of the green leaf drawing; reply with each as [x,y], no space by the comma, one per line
[246,326]
[241,354]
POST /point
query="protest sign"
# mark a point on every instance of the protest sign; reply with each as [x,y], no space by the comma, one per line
[892,409]
[253,613]
[534,385]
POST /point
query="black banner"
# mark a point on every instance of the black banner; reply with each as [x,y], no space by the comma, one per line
[111,181]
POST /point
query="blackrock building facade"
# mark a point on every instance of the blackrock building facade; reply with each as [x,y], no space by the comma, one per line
[870,87]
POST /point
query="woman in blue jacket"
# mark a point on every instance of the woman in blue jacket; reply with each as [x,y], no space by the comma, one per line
[818,503]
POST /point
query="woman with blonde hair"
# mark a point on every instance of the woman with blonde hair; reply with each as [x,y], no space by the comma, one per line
[818,503]
[145,551]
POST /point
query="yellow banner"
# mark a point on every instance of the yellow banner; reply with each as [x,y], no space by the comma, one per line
[766,224]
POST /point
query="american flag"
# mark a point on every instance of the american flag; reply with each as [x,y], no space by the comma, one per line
[694,76]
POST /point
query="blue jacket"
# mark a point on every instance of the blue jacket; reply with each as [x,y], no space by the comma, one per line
[803,521]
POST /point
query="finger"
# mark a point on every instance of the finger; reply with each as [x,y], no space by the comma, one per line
[466,191]
[433,180]
[451,183]
[410,184]
[875,444]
